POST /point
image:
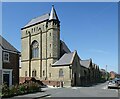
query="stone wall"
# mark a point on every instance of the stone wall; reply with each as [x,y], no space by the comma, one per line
[49,48]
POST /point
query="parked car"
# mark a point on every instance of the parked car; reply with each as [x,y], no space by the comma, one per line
[118,81]
[115,83]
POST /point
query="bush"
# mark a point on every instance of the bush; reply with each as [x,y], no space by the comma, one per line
[5,90]
[28,87]
[32,86]
[13,90]
[21,89]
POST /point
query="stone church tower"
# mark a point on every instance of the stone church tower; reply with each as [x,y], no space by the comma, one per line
[40,46]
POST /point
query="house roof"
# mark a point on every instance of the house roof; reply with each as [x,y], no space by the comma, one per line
[113,72]
[102,70]
[6,45]
[85,63]
[94,65]
[66,59]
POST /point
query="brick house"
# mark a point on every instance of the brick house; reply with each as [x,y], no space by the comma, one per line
[113,74]
[10,63]
[0,63]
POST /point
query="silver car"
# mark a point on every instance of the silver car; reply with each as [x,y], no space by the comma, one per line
[113,84]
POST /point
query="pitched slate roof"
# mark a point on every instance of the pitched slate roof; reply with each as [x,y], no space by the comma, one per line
[66,59]
[48,16]
[113,72]
[95,65]
[38,19]
[102,70]
[6,45]
[85,63]
[63,48]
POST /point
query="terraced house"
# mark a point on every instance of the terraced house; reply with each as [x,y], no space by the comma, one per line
[47,58]
[9,63]
[0,62]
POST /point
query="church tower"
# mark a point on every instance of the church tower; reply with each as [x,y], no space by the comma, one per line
[53,42]
[40,40]
[53,35]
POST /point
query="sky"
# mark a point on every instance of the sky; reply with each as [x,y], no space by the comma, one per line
[88,27]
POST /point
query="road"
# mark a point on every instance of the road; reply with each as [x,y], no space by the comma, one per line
[99,90]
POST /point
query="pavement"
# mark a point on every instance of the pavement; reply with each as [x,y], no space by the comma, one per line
[36,95]
[33,96]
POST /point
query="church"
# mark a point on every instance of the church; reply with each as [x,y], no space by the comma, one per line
[47,58]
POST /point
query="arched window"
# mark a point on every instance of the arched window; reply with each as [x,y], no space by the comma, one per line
[61,73]
[35,49]
[34,73]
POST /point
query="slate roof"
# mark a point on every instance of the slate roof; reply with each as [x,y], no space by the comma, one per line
[48,16]
[38,19]
[6,45]
[85,63]
[113,72]
[66,59]
[95,65]
[102,70]
[63,48]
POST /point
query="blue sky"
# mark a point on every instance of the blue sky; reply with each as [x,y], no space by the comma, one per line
[89,28]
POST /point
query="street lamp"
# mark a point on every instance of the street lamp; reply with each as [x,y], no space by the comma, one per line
[106,72]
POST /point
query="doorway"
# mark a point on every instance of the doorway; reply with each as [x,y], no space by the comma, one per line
[6,79]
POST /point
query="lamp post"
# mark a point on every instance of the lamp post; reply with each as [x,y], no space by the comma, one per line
[106,73]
